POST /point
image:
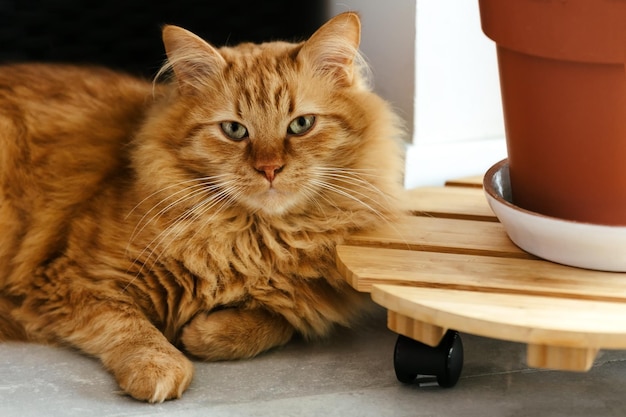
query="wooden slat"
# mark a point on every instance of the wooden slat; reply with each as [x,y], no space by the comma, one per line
[475,181]
[449,202]
[442,235]
[537,320]
[363,267]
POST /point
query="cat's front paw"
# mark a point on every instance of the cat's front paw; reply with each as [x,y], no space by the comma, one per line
[154,376]
[234,334]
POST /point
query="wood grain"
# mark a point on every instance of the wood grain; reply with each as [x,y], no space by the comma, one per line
[441,235]
[418,330]
[537,320]
[364,267]
[561,358]
[472,181]
[449,202]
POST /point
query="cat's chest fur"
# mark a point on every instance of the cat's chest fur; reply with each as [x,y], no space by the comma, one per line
[234,261]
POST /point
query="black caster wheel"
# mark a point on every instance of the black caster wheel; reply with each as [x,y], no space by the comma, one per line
[412,358]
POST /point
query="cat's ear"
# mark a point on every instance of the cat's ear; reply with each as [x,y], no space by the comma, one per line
[333,48]
[191,58]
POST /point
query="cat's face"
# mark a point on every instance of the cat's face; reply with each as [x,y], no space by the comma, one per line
[268,129]
[273,127]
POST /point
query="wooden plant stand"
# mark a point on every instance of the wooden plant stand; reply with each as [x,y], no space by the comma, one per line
[451,265]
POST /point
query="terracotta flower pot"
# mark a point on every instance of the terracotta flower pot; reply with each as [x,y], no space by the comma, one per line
[563,84]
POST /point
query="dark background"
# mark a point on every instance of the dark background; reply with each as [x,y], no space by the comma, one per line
[126,34]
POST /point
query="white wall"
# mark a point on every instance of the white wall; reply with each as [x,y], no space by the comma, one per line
[431,60]
[388,44]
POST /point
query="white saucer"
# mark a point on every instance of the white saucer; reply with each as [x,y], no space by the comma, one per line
[583,245]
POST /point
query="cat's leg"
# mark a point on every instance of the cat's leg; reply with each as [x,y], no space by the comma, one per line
[146,365]
[235,333]
[104,324]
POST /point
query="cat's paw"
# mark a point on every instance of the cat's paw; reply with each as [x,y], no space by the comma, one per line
[234,334]
[155,376]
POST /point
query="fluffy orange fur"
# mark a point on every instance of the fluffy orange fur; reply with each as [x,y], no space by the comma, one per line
[198,215]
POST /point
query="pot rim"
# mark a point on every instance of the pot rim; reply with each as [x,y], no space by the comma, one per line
[591,31]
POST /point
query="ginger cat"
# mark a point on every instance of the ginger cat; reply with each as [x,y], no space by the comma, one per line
[200,214]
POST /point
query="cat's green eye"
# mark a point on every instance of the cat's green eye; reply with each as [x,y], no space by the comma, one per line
[234,130]
[300,125]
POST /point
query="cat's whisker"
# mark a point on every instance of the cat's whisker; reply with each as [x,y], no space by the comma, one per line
[202,186]
[345,193]
[232,194]
[162,201]
[360,171]
[355,195]
[143,223]
[164,189]
[169,236]
[346,174]
[157,241]
[181,224]
[352,177]
[312,196]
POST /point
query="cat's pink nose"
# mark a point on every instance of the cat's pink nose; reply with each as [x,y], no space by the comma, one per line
[270,171]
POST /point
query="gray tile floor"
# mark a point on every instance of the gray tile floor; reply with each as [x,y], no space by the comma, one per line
[349,375]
